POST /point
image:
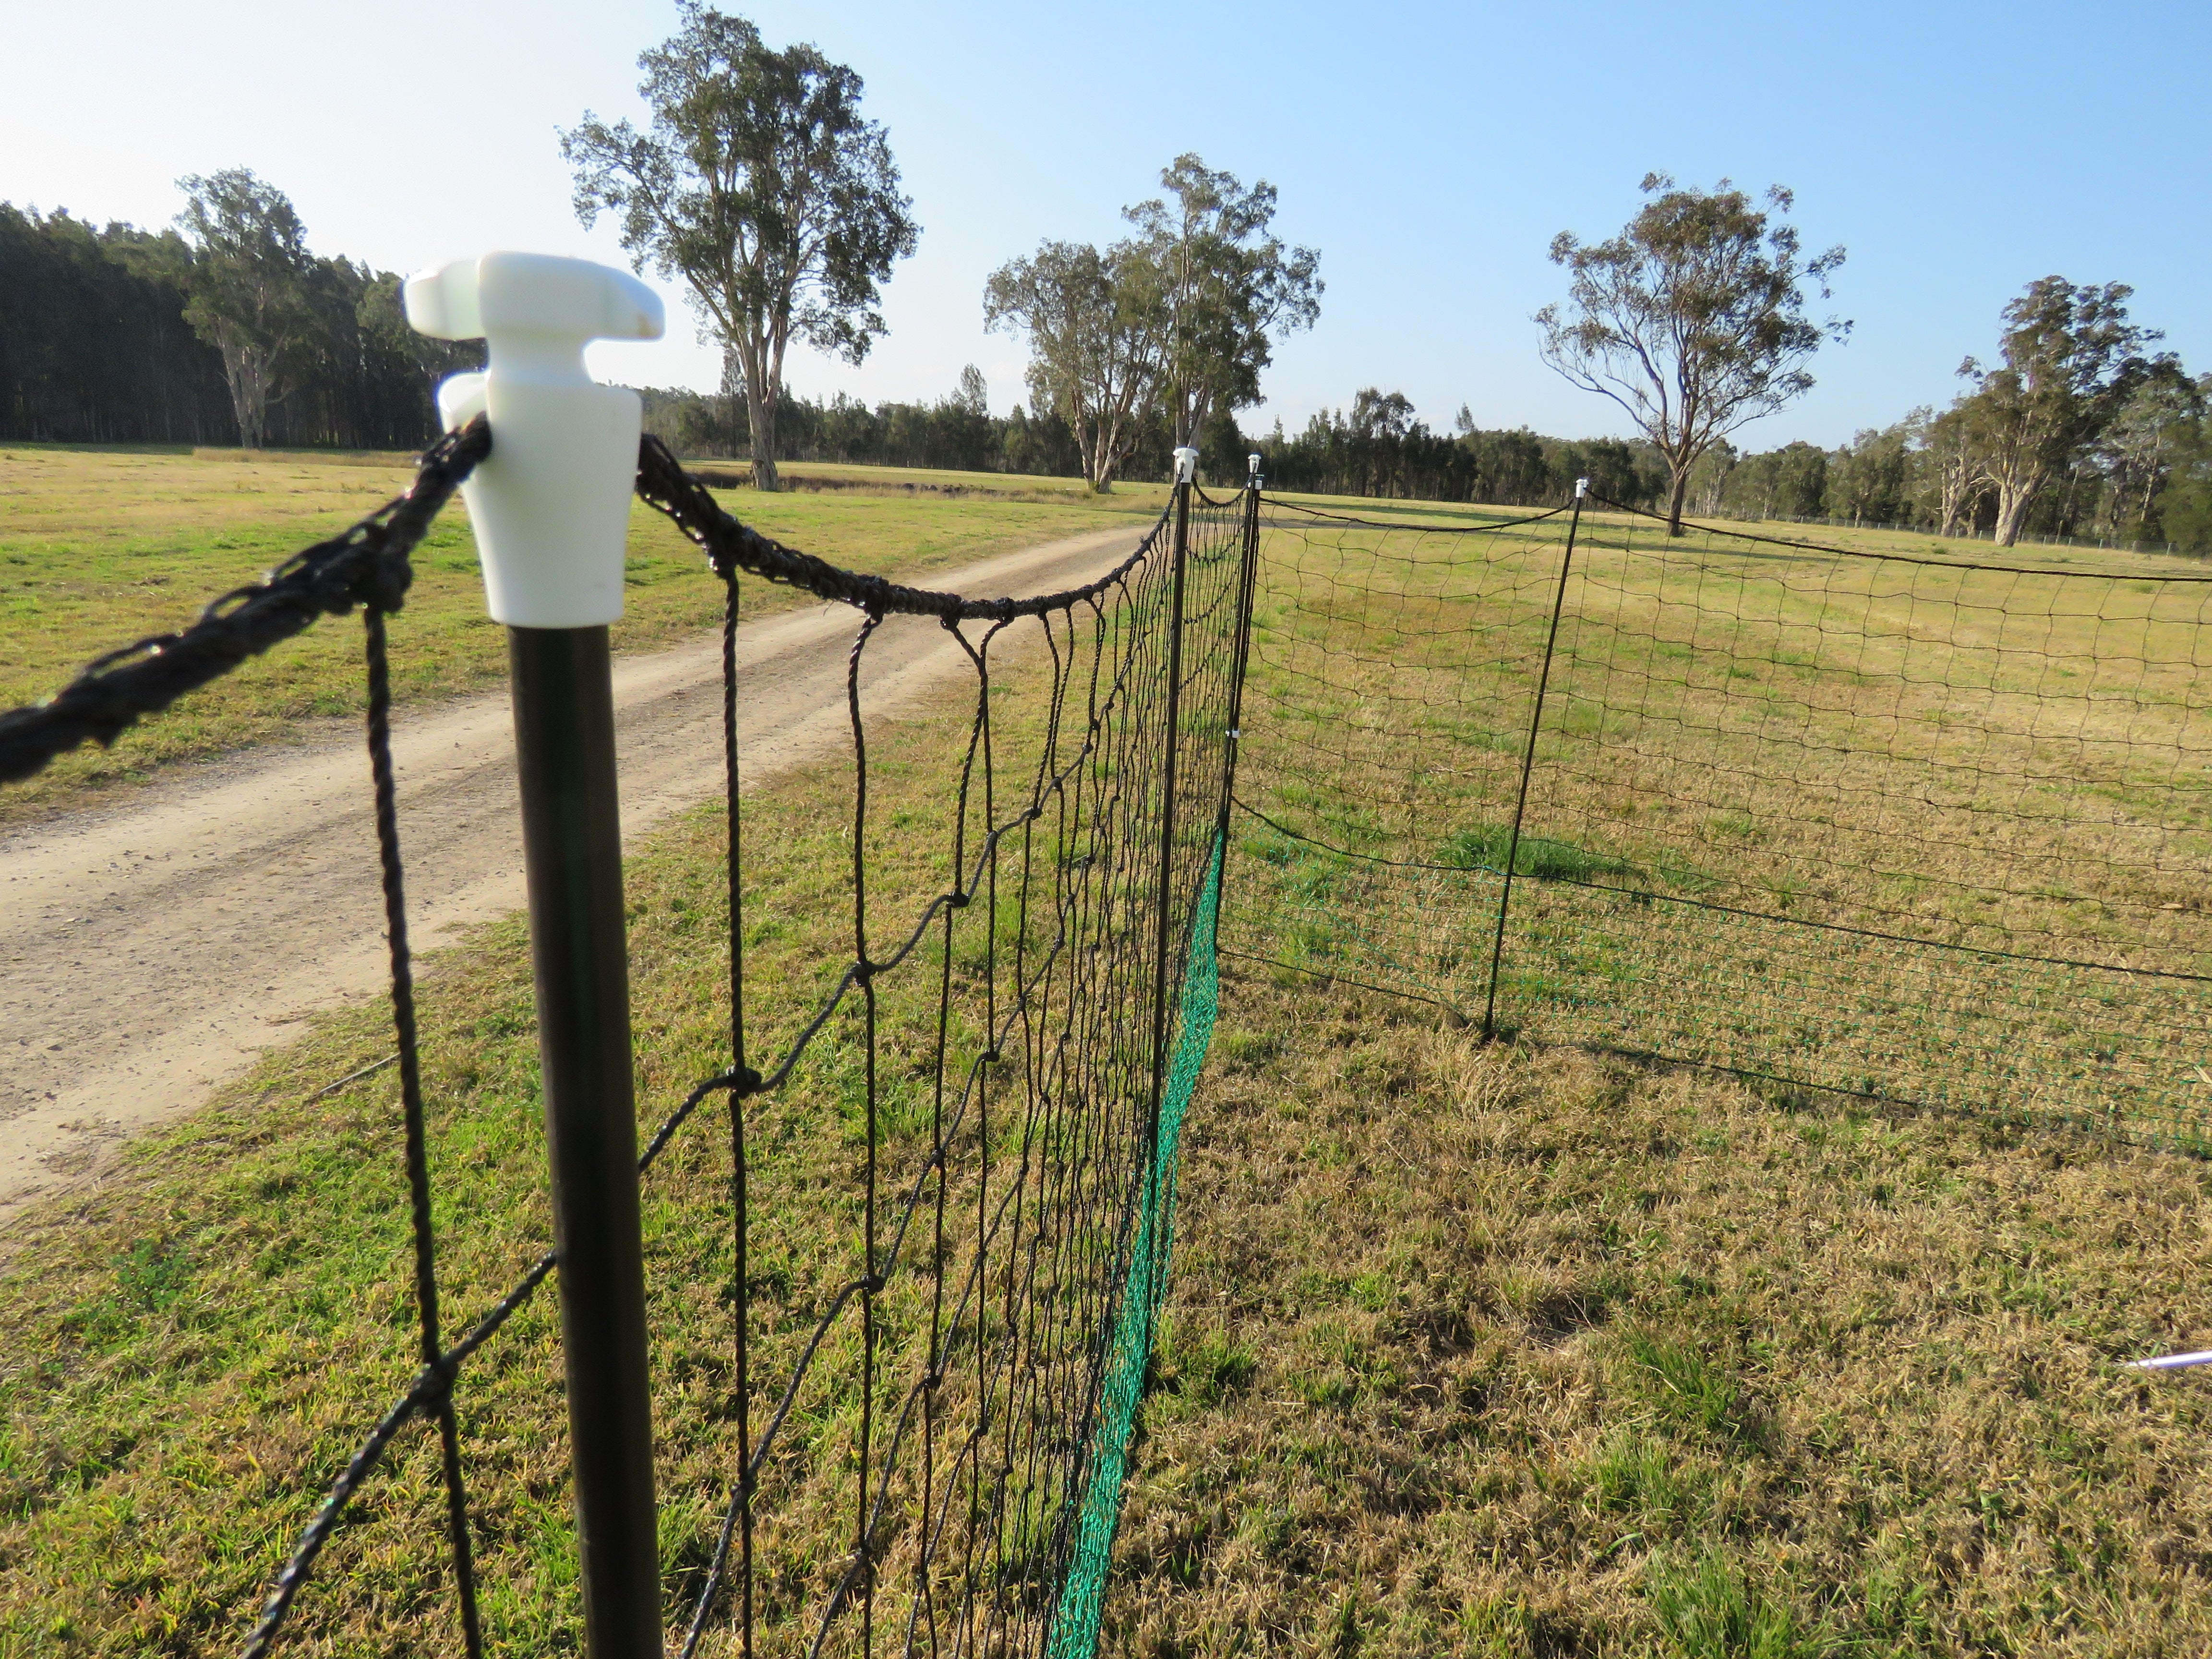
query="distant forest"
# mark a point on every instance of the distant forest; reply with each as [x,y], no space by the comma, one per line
[1378,449]
[94,348]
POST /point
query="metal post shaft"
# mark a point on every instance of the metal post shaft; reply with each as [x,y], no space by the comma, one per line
[1529,767]
[572,841]
[1163,988]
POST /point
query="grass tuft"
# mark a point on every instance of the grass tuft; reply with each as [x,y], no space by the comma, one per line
[1707,1609]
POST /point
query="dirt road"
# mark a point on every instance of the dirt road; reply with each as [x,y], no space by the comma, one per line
[149,951]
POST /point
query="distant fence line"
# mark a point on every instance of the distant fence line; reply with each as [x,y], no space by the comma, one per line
[1916,828]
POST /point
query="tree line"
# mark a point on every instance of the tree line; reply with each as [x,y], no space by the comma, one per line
[1379,446]
[2144,478]
[1375,448]
[1693,320]
[223,328]
[759,185]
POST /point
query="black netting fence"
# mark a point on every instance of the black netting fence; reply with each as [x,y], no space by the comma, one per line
[1892,822]
[924,1433]
[1897,823]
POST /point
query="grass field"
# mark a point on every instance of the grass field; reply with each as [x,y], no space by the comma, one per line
[100,547]
[1922,830]
[1493,1351]
[1506,1349]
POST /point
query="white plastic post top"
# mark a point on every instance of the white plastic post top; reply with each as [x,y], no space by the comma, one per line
[1186,460]
[550,505]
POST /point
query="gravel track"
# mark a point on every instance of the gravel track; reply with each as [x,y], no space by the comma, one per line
[152,951]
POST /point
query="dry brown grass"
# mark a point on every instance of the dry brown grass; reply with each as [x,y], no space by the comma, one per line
[1509,1351]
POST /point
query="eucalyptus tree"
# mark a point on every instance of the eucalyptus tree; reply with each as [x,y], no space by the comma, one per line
[2072,360]
[1097,351]
[1225,285]
[249,283]
[761,185]
[973,394]
[1954,482]
[1692,320]
[2136,453]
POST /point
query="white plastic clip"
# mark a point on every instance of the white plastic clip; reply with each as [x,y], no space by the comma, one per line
[1186,460]
[1581,487]
[550,506]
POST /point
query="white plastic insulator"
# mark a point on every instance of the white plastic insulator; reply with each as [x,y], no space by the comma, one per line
[551,505]
[1186,460]
[1581,487]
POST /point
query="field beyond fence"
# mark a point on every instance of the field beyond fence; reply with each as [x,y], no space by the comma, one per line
[1904,825]
[1495,1329]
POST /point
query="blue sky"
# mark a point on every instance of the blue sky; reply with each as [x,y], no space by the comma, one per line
[1428,151]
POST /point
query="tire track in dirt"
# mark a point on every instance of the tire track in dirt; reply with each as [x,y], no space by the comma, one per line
[151,951]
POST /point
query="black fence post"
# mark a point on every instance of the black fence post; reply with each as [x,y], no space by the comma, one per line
[1528,765]
[550,506]
[1248,583]
[564,736]
[1186,470]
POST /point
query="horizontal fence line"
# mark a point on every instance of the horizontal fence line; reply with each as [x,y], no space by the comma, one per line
[1981,951]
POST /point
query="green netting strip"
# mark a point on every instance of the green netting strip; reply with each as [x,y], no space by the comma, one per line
[1083,1596]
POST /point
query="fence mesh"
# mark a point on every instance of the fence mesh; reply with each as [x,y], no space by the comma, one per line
[925,1431]
[1892,823]
[1038,1026]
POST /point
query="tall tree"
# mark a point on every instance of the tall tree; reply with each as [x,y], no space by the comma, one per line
[1692,320]
[2071,361]
[763,186]
[2137,452]
[249,286]
[1226,288]
[1953,453]
[974,394]
[1096,344]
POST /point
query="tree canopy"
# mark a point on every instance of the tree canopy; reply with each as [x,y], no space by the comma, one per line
[1180,317]
[94,347]
[1097,350]
[2071,361]
[1224,287]
[1692,320]
[249,286]
[761,185]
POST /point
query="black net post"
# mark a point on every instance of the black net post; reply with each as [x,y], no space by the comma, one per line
[1248,576]
[552,513]
[564,735]
[1186,470]
[1528,765]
